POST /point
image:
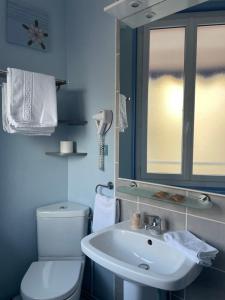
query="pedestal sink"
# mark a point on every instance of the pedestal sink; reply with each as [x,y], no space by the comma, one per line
[141,259]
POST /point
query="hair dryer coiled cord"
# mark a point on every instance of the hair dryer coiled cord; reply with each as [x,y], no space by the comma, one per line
[101,143]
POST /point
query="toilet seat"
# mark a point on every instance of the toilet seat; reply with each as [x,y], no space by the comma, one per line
[51,280]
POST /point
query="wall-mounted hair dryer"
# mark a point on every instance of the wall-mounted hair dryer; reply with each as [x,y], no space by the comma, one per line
[103,120]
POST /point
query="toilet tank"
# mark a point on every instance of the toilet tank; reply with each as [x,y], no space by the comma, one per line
[60,228]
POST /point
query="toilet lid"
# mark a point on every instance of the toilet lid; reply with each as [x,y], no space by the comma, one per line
[51,280]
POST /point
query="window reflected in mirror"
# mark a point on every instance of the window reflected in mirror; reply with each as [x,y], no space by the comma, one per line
[209,122]
[165,100]
[174,73]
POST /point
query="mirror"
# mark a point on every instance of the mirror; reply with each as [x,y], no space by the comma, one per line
[172,77]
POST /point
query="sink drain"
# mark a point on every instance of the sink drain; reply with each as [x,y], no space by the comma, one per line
[144,266]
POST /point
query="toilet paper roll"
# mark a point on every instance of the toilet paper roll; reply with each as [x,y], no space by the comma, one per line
[66,146]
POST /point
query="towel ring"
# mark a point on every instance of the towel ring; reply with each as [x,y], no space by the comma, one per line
[109,186]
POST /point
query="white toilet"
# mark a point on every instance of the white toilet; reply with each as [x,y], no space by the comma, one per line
[58,273]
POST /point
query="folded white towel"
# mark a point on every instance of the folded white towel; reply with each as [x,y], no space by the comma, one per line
[196,249]
[205,263]
[104,212]
[29,103]
[123,123]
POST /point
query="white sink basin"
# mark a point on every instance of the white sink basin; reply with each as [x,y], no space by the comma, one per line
[121,250]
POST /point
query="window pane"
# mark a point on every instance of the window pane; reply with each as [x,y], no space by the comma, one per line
[209,126]
[165,100]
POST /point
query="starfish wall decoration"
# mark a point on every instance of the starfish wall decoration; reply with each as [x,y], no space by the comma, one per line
[36,34]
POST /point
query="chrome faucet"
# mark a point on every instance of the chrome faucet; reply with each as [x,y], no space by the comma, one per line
[153,224]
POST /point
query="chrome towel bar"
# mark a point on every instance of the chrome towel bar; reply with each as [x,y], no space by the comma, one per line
[58,82]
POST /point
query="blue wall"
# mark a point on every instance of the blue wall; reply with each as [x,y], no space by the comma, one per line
[29,178]
[91,72]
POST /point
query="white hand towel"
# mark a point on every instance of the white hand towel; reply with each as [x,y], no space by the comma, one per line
[32,98]
[123,123]
[193,247]
[104,212]
[29,103]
